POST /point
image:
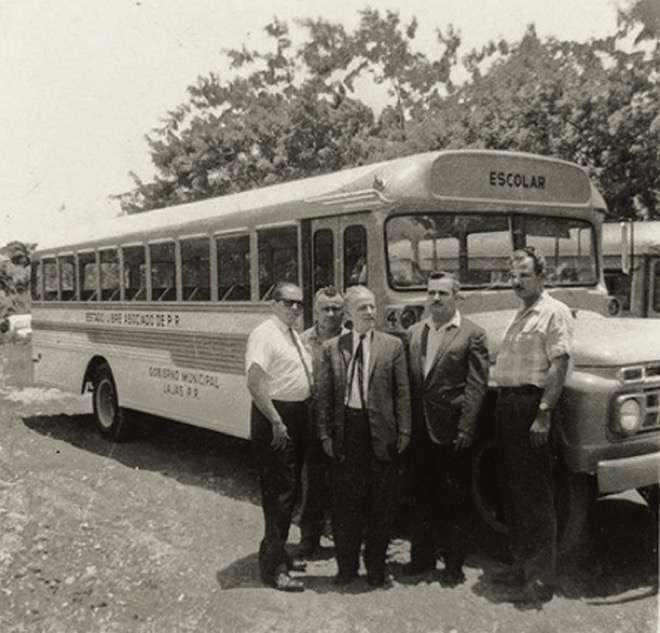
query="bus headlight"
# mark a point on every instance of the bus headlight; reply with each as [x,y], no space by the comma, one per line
[628,418]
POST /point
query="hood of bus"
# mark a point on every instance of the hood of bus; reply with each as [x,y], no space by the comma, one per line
[599,341]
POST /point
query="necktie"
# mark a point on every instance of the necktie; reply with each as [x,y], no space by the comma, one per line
[292,334]
[358,367]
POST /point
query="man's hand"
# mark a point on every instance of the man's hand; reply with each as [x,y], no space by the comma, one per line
[463,440]
[280,435]
[402,442]
[540,429]
[327,447]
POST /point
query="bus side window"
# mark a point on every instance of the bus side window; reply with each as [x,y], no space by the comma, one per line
[355,255]
[88,276]
[195,269]
[68,277]
[278,258]
[50,280]
[35,280]
[324,259]
[163,267]
[109,274]
[233,268]
[135,277]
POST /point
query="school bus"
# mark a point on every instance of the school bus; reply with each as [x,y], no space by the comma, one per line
[151,312]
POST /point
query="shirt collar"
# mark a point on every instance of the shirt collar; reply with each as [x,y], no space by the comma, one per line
[455,321]
[368,336]
[281,325]
[536,306]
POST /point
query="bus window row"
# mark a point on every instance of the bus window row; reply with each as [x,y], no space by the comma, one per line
[114,274]
[186,269]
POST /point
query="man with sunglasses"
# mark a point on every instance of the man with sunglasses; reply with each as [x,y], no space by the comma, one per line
[279,378]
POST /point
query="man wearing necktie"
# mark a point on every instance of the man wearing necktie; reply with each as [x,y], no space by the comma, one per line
[280,382]
[448,360]
[364,424]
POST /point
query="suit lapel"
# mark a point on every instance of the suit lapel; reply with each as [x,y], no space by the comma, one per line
[373,352]
[346,350]
[447,340]
[417,349]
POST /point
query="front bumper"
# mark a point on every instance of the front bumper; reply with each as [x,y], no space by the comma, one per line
[617,475]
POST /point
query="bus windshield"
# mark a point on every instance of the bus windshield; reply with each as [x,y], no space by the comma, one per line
[476,247]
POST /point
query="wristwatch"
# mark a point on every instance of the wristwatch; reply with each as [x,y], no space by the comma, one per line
[544,406]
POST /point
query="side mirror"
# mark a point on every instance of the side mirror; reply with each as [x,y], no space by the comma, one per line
[627,245]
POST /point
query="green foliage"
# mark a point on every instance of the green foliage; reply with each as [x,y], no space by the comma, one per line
[293,112]
[15,278]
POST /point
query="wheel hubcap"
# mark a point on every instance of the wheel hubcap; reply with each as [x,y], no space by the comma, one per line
[105,404]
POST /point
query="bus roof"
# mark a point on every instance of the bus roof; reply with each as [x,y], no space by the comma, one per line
[646,236]
[481,176]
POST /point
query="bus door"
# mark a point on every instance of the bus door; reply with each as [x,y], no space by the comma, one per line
[339,251]
[653,294]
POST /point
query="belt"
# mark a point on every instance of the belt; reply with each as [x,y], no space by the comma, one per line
[519,389]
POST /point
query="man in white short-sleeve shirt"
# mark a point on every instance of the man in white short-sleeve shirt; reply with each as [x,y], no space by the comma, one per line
[279,379]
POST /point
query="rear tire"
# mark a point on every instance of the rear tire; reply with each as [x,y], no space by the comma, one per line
[111,419]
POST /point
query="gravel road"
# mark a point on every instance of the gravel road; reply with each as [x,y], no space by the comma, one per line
[160,535]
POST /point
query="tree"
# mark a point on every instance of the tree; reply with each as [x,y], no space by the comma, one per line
[290,113]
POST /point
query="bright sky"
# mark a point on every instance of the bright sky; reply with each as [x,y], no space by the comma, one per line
[84,81]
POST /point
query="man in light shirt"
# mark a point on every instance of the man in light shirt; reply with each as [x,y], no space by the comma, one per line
[530,372]
[279,379]
[448,360]
[364,424]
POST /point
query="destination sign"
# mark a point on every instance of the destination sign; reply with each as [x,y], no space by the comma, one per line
[491,175]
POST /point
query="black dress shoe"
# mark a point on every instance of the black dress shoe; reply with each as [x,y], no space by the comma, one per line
[452,577]
[511,576]
[284,582]
[376,580]
[415,568]
[343,579]
[534,592]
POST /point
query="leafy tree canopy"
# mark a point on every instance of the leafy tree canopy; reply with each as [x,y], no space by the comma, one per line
[289,112]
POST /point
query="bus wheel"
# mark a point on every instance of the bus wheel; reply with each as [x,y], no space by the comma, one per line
[110,418]
[650,495]
[573,496]
[573,499]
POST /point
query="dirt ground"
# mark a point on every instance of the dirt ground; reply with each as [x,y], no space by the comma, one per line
[160,535]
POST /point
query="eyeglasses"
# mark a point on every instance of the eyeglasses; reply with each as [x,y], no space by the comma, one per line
[289,303]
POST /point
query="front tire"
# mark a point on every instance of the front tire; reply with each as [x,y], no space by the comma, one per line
[573,497]
[110,418]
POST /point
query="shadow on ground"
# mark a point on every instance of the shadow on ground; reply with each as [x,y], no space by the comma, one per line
[616,562]
[191,455]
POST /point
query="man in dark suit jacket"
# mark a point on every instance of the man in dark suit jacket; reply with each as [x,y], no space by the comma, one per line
[448,361]
[364,423]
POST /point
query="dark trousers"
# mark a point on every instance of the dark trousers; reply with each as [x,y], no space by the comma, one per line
[363,500]
[526,485]
[316,496]
[279,474]
[441,503]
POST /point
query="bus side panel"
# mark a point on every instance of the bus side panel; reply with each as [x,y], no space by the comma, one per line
[214,400]
[187,365]
[61,359]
